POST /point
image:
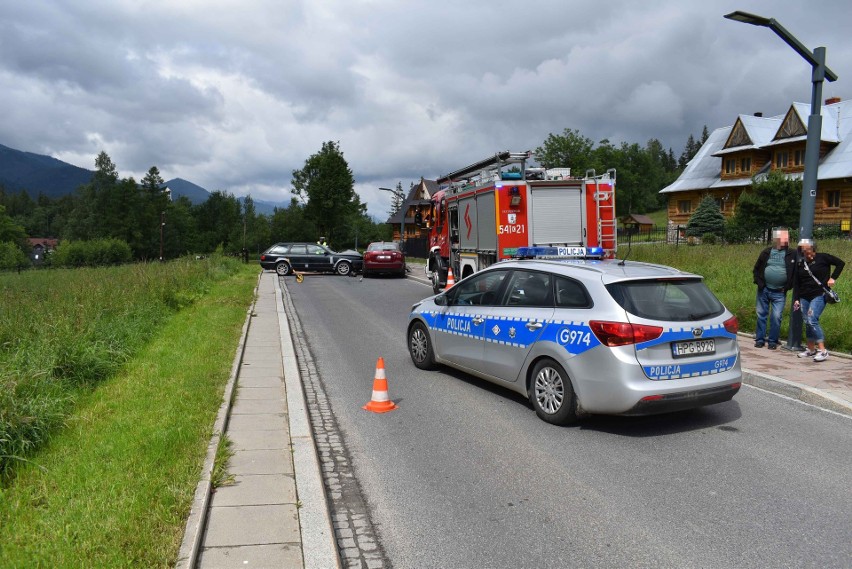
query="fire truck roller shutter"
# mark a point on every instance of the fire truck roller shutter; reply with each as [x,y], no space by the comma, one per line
[486,216]
[557,216]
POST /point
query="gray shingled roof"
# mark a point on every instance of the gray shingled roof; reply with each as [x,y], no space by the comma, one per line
[704,170]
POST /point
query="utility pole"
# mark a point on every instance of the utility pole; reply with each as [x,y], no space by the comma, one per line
[162,225]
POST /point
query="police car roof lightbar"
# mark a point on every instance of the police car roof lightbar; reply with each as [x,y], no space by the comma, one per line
[559,253]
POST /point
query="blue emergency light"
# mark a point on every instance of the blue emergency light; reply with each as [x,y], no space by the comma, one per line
[559,253]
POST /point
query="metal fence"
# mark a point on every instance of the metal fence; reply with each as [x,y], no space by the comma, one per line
[676,234]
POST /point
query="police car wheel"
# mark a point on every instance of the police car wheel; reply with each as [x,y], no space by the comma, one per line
[343,268]
[420,347]
[551,393]
[282,268]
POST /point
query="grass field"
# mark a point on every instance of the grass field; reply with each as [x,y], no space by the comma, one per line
[110,479]
[727,270]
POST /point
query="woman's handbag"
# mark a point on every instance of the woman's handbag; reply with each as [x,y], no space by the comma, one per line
[830,296]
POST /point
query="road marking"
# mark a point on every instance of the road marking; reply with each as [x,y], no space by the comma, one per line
[797,401]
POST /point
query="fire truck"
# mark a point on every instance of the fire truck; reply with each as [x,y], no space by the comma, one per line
[484,212]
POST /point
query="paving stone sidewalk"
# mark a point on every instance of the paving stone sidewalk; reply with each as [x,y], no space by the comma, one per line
[275,513]
[825,384]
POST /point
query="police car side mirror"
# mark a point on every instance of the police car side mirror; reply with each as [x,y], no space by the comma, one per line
[441,300]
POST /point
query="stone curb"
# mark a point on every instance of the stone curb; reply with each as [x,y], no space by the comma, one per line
[811,395]
[195,524]
[319,547]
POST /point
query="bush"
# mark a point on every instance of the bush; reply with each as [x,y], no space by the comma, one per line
[708,239]
[95,253]
[12,258]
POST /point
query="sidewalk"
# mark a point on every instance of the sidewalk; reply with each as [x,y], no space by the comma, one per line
[825,384]
[276,514]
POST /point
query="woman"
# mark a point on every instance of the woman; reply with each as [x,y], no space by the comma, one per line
[808,294]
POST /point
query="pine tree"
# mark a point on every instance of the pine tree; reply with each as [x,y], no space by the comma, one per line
[708,218]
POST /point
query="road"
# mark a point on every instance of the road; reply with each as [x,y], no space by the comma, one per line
[464,474]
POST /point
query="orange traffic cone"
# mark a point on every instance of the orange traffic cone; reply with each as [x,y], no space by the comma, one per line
[450,279]
[380,403]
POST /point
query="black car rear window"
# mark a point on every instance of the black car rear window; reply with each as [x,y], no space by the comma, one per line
[682,300]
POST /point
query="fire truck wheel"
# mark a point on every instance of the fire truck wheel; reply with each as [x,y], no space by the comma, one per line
[420,346]
[436,282]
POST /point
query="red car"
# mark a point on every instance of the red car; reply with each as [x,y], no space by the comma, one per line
[384,257]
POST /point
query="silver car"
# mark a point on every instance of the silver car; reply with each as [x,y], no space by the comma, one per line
[584,336]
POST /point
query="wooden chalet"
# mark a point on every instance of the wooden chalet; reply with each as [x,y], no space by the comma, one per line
[755,145]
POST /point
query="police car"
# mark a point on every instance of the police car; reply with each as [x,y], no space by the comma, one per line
[582,336]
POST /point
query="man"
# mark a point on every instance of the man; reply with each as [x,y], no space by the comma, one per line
[773,275]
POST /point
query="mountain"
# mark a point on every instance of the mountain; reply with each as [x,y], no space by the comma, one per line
[37,174]
[180,187]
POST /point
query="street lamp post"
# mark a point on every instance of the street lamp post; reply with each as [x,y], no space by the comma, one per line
[399,195]
[809,178]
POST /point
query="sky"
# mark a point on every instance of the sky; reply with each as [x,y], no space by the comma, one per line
[235,95]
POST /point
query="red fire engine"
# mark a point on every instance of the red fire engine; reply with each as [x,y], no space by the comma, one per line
[484,212]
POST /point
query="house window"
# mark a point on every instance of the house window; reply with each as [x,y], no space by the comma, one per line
[745,165]
[832,199]
[730,166]
[684,206]
[720,202]
[781,159]
[798,157]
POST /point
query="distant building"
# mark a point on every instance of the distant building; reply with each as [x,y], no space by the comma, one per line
[416,203]
[39,247]
[636,222]
[755,145]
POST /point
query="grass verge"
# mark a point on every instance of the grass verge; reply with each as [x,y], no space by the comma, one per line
[727,270]
[114,487]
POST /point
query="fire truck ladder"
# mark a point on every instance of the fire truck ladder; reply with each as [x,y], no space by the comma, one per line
[605,202]
[486,169]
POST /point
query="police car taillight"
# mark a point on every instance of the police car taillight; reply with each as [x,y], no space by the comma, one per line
[732,325]
[623,333]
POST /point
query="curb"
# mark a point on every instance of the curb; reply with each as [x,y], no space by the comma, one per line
[810,395]
[195,524]
[319,546]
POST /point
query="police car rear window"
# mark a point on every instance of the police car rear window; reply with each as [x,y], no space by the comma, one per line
[685,300]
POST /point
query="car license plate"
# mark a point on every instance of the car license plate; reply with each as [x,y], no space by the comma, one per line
[383,258]
[693,348]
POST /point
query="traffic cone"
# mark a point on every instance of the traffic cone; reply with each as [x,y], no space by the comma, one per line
[380,403]
[450,279]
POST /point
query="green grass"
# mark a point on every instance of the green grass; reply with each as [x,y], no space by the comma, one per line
[114,486]
[660,217]
[63,331]
[727,270]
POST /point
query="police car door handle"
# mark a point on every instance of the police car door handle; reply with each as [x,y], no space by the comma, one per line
[533,325]
[477,320]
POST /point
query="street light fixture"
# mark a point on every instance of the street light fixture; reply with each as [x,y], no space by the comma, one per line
[809,177]
[819,73]
[401,196]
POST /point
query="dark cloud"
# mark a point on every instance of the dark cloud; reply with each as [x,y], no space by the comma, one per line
[235,96]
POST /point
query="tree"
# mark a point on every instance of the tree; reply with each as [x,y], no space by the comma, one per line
[772,202]
[12,257]
[291,224]
[708,218]
[327,187]
[9,229]
[397,199]
[569,149]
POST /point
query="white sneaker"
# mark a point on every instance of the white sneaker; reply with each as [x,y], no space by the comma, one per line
[821,356]
[807,353]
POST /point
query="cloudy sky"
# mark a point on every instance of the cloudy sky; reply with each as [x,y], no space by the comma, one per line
[235,95]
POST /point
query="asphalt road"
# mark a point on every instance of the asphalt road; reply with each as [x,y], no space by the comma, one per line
[464,474]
